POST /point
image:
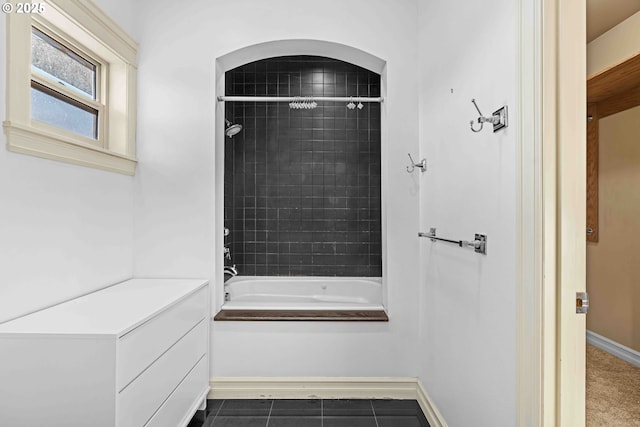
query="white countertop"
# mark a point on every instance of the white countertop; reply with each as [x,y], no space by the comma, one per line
[110,311]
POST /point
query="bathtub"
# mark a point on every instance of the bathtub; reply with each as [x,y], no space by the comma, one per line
[303,293]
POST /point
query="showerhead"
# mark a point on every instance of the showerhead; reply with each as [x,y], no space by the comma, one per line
[232,129]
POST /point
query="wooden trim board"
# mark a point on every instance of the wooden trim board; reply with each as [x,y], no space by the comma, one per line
[617,88]
[612,91]
[620,102]
[615,80]
[302,315]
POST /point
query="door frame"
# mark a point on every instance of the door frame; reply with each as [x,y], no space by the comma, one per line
[551,212]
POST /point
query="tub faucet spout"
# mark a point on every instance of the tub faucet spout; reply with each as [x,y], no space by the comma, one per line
[231,270]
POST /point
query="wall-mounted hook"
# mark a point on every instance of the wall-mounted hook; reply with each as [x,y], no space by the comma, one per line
[422,165]
[498,119]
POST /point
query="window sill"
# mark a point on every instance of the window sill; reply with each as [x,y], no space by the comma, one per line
[32,141]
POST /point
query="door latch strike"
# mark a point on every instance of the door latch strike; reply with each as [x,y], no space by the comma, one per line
[582,302]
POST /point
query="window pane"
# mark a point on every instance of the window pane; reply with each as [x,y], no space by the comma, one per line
[58,110]
[62,64]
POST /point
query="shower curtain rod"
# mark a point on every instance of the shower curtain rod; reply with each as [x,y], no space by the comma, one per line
[298,98]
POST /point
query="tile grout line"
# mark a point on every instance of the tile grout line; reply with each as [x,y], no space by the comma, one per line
[321,412]
[374,413]
[269,416]
[217,412]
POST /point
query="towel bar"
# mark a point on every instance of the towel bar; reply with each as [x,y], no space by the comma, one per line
[479,244]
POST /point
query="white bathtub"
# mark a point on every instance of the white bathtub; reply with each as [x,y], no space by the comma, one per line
[303,293]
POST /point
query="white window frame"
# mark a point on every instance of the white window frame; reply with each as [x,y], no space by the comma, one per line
[84,28]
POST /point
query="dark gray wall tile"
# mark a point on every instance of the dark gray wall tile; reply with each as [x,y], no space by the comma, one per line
[302,187]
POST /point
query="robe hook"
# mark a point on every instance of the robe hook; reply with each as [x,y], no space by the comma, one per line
[413,165]
[498,119]
[479,118]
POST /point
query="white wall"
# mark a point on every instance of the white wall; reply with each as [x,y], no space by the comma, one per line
[467,305]
[175,188]
[121,11]
[615,46]
[60,237]
[65,230]
[611,265]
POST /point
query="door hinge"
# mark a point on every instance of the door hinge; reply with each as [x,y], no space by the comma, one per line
[582,302]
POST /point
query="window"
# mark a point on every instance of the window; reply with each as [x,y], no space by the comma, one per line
[63,87]
[71,86]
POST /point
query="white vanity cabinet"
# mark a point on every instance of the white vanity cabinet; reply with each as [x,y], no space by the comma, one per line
[131,355]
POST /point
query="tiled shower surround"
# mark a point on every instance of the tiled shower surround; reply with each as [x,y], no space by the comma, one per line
[302,187]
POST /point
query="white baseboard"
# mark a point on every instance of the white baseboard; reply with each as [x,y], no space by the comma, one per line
[429,409]
[620,351]
[312,388]
[327,388]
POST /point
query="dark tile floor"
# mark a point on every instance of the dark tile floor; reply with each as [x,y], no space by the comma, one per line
[310,413]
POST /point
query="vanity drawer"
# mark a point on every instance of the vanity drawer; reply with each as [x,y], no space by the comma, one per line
[140,347]
[173,411]
[139,400]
